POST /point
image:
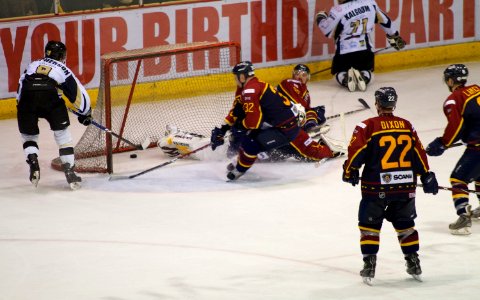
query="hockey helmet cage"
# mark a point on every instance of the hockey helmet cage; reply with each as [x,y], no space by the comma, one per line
[56,50]
[386,97]
[302,68]
[244,67]
[457,72]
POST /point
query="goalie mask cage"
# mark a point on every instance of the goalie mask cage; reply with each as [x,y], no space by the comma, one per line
[141,91]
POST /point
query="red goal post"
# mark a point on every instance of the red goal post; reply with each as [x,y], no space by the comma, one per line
[141,91]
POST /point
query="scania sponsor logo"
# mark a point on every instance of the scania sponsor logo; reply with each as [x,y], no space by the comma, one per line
[396,177]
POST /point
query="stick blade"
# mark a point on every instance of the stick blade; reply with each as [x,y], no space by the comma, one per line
[364,103]
[118,177]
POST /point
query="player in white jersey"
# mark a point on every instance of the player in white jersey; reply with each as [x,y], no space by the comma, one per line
[39,95]
[350,24]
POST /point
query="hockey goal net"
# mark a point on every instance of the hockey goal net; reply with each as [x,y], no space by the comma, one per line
[142,91]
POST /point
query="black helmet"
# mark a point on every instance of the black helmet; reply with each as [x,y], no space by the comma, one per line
[386,97]
[457,72]
[302,68]
[244,67]
[55,50]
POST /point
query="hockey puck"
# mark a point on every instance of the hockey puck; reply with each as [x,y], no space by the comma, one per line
[133,155]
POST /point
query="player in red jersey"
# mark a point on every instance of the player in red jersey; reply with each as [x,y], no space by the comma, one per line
[393,156]
[270,119]
[462,109]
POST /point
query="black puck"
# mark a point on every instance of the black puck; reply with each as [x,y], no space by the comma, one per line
[133,155]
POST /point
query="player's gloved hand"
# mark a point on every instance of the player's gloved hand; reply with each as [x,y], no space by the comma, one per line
[352,177]
[436,148]
[321,15]
[320,110]
[396,41]
[430,184]
[309,125]
[85,119]
[218,134]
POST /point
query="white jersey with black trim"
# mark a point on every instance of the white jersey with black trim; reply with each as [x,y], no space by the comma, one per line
[67,82]
[352,22]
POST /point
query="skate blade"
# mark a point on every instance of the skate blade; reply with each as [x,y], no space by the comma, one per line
[461,231]
[367,280]
[417,277]
[75,185]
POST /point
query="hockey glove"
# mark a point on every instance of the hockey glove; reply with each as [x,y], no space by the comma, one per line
[396,41]
[218,134]
[436,148]
[430,184]
[309,125]
[320,110]
[321,15]
[85,119]
[352,177]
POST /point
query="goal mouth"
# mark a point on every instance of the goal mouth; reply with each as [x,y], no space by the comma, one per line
[143,90]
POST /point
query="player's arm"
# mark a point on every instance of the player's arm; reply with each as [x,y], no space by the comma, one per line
[76,94]
[356,155]
[328,22]
[393,36]
[455,123]
[253,111]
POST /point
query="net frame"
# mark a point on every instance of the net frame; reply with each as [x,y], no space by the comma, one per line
[105,94]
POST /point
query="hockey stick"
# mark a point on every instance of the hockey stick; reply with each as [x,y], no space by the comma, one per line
[329,68]
[365,107]
[160,165]
[454,189]
[142,146]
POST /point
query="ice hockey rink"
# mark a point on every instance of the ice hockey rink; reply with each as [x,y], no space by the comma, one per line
[284,231]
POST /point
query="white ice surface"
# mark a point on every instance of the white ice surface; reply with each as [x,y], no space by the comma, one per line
[283,231]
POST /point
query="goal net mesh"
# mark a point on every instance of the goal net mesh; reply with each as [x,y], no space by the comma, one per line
[142,91]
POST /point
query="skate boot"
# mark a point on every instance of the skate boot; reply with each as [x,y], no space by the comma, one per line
[351,81]
[32,160]
[337,148]
[476,214]
[73,180]
[463,224]
[361,84]
[413,266]
[368,271]
[233,173]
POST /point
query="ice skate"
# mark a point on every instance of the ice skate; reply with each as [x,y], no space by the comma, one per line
[413,266]
[34,169]
[476,214]
[351,81]
[73,180]
[462,226]
[336,147]
[233,173]
[361,84]
[368,271]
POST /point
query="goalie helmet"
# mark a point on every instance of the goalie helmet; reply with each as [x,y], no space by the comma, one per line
[386,97]
[301,68]
[56,50]
[244,67]
[457,72]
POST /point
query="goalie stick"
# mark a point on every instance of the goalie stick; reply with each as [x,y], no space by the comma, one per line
[144,145]
[160,165]
[329,68]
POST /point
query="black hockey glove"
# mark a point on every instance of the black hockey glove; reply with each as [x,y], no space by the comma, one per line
[320,110]
[396,41]
[85,119]
[218,134]
[353,177]
[436,148]
[430,184]
[321,15]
